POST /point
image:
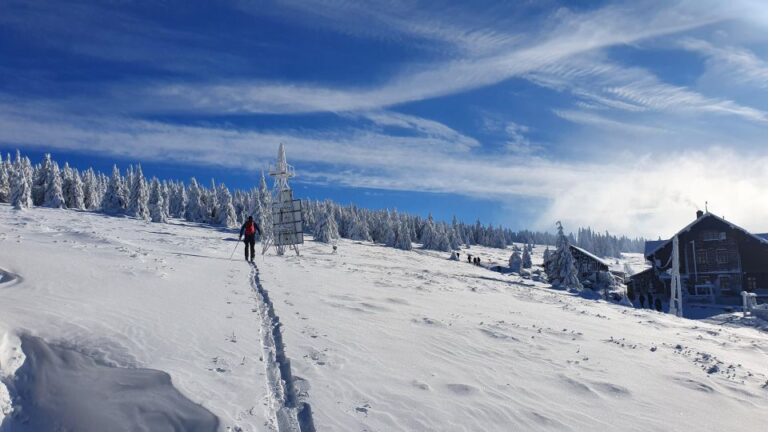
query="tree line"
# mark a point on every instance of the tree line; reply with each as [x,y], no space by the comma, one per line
[130,193]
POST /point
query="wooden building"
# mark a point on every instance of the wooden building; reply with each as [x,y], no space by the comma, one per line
[587,264]
[717,260]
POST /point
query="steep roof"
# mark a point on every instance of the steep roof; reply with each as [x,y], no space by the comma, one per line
[653,246]
[591,255]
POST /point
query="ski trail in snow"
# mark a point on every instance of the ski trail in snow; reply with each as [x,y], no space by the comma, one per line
[287,411]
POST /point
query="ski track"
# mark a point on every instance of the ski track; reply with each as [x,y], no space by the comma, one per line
[288,411]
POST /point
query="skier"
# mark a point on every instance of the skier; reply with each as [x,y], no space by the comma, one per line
[249,229]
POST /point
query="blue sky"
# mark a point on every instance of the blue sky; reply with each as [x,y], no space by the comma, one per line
[624,116]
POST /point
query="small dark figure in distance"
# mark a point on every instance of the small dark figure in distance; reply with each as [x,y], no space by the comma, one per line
[642,301]
[469,258]
[658,304]
[249,230]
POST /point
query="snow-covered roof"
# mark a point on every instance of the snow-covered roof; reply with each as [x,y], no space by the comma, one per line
[654,246]
[591,255]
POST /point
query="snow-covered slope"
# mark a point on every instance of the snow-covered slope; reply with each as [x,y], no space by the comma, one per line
[136,294]
[394,340]
[379,339]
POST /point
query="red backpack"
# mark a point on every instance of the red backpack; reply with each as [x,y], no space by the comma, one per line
[250,228]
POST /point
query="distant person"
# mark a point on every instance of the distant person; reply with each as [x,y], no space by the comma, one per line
[469,258]
[249,230]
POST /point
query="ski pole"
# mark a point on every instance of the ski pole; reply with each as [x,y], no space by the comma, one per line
[233,251]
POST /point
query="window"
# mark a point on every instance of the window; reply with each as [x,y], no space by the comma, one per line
[725,284]
[712,235]
[722,256]
[702,258]
[751,283]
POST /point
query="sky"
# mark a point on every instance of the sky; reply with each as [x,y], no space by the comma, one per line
[622,116]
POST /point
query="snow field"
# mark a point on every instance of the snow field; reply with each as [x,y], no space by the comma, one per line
[393,340]
[137,294]
[379,339]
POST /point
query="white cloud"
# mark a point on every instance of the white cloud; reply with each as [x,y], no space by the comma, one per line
[633,89]
[647,193]
[565,34]
[739,66]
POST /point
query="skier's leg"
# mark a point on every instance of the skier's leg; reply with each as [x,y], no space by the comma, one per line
[252,241]
[245,247]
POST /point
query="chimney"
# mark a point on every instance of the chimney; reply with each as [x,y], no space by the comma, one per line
[699,214]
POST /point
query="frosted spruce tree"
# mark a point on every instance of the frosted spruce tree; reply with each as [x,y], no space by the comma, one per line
[359,228]
[54,194]
[326,230]
[265,217]
[21,188]
[115,198]
[5,181]
[563,268]
[166,192]
[138,203]
[515,262]
[527,257]
[157,202]
[194,211]
[403,240]
[225,214]
[72,187]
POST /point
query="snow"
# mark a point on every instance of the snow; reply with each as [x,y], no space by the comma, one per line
[140,295]
[378,338]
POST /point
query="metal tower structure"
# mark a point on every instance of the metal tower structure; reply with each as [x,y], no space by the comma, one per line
[287,222]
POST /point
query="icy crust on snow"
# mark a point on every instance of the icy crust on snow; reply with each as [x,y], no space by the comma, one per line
[58,388]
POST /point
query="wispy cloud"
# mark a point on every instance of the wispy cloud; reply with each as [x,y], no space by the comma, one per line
[739,66]
[634,89]
[565,35]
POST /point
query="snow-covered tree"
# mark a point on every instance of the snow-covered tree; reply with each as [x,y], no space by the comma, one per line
[157,202]
[21,187]
[138,203]
[54,195]
[115,198]
[194,211]
[515,262]
[325,229]
[359,228]
[178,202]
[5,180]
[403,236]
[527,257]
[563,272]
[265,217]
[72,188]
[225,214]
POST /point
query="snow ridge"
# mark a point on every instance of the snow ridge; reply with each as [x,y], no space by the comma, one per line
[288,412]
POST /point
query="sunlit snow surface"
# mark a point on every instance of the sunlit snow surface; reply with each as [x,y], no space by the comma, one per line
[379,339]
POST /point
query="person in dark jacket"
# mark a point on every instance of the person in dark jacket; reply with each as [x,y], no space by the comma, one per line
[249,230]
